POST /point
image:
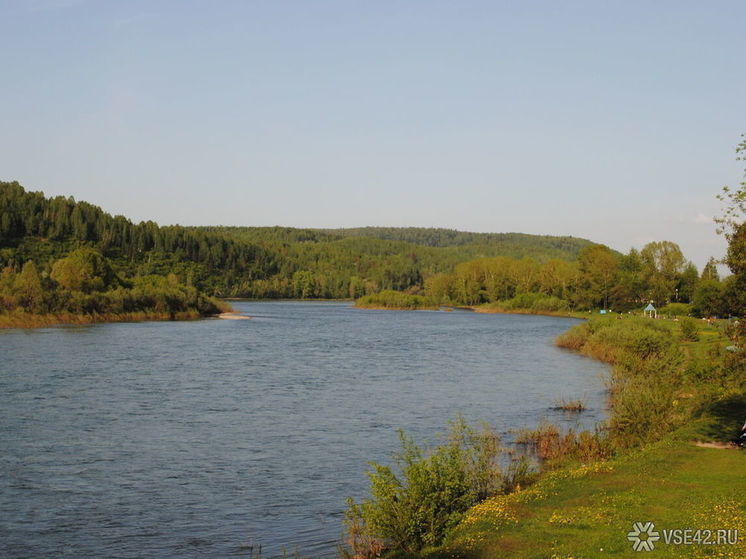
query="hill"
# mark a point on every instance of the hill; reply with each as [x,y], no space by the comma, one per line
[261,262]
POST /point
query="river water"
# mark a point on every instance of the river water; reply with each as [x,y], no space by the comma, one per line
[205,438]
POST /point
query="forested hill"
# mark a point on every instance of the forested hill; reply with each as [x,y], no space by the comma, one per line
[546,245]
[34,227]
[515,245]
[438,237]
[263,262]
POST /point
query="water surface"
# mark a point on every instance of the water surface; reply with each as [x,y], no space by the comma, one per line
[201,439]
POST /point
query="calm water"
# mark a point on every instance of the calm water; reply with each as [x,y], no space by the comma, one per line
[197,439]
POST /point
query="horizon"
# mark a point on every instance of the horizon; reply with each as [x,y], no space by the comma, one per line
[616,124]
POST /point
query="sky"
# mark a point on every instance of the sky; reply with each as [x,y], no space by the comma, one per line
[612,121]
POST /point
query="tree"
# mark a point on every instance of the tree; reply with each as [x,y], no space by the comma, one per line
[662,266]
[687,283]
[707,299]
[28,288]
[731,225]
[710,271]
[85,269]
[735,200]
[598,270]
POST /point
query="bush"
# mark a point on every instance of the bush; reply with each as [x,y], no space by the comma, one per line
[676,309]
[575,338]
[551,445]
[536,302]
[645,379]
[644,409]
[689,330]
[389,299]
[415,506]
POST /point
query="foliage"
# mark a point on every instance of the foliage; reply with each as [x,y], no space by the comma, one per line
[731,224]
[83,284]
[645,378]
[261,262]
[510,271]
[676,309]
[417,502]
[536,302]
[689,330]
[395,300]
[599,269]
[84,269]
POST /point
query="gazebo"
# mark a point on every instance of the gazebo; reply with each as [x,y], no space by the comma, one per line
[650,311]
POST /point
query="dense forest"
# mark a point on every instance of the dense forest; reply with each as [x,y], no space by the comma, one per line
[60,255]
[265,262]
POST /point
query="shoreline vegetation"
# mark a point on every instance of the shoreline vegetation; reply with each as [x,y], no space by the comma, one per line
[30,320]
[61,256]
[663,455]
[84,288]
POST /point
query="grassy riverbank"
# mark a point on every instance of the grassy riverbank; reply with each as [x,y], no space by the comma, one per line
[673,386]
[587,511]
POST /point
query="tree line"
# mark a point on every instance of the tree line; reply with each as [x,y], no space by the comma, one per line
[60,238]
[254,262]
[600,278]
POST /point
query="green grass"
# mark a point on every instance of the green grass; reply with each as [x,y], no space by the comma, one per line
[587,511]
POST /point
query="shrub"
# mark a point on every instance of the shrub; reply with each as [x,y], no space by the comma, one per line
[389,299]
[550,444]
[415,505]
[645,379]
[676,309]
[536,302]
[644,409]
[575,338]
[689,330]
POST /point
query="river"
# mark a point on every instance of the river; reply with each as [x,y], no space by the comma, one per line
[205,438]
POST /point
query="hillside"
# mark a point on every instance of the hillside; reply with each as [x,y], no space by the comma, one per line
[261,262]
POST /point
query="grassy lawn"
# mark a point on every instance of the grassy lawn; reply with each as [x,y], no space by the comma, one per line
[587,511]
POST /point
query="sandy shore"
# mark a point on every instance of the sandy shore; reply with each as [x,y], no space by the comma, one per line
[233,316]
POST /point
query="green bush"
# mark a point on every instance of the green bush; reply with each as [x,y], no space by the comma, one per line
[535,302]
[689,330]
[646,375]
[389,299]
[415,504]
[676,309]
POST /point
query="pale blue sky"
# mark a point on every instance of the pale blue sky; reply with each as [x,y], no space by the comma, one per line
[614,121]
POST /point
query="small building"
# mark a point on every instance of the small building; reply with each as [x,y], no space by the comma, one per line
[650,311]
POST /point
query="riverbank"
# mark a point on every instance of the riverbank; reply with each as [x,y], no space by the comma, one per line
[31,320]
[587,511]
[489,308]
[396,300]
[647,464]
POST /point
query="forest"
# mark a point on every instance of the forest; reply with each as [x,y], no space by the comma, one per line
[266,262]
[62,255]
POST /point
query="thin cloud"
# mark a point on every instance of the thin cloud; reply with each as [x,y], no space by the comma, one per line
[702,219]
